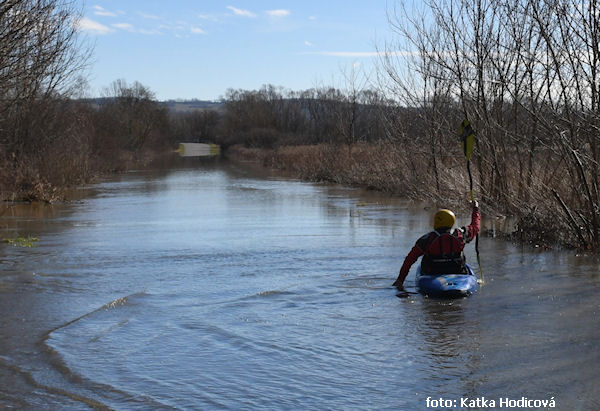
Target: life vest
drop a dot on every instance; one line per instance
(442, 252)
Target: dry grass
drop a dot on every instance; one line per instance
(408, 173)
(49, 176)
(383, 167)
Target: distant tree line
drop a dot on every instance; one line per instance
(272, 117)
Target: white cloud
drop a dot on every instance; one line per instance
(181, 25)
(85, 24)
(100, 11)
(124, 26)
(148, 16)
(207, 17)
(278, 13)
(240, 12)
(308, 43)
(362, 53)
(197, 30)
(347, 53)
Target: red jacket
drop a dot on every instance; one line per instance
(441, 250)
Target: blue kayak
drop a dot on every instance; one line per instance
(447, 285)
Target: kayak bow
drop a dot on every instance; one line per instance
(447, 285)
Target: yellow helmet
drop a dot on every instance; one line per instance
(443, 219)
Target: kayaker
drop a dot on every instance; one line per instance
(442, 248)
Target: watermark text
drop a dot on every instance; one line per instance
(484, 402)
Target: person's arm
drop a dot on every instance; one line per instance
(410, 259)
(472, 229)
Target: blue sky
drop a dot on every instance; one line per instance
(184, 49)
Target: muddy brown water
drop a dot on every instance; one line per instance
(211, 287)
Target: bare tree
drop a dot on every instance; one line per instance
(527, 75)
(42, 58)
(131, 115)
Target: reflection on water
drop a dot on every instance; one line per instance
(212, 287)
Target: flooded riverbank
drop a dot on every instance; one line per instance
(212, 287)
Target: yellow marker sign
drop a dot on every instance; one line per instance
(467, 138)
(198, 150)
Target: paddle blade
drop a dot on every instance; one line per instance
(467, 138)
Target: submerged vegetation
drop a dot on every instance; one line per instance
(27, 242)
(526, 73)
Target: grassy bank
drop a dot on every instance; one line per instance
(383, 167)
(389, 168)
(50, 179)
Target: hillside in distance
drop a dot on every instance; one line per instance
(187, 106)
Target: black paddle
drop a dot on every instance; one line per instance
(467, 137)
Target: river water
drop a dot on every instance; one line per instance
(211, 287)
